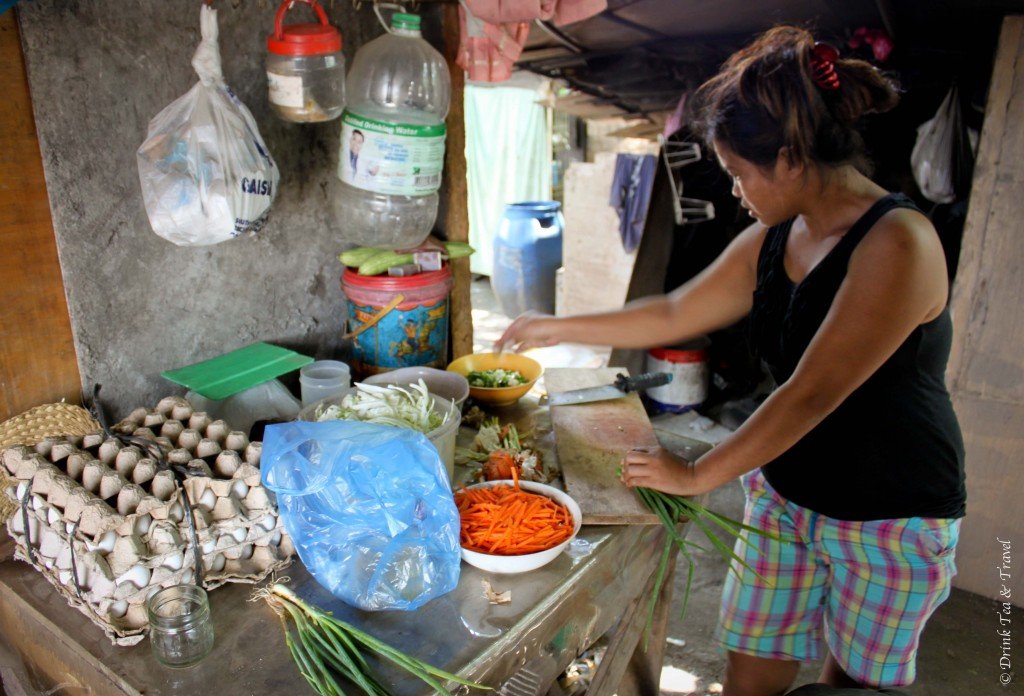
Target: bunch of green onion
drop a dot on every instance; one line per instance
(329, 651)
(673, 509)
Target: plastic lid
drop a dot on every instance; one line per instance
(401, 20)
(303, 39)
(395, 283)
(695, 350)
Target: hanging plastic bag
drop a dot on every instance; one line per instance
(943, 156)
(369, 508)
(205, 171)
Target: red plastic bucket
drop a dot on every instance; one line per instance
(688, 365)
(397, 322)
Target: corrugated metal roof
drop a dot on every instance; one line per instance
(639, 56)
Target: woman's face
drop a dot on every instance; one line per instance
(766, 194)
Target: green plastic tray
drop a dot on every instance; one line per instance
(234, 372)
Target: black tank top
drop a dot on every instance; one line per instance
(893, 448)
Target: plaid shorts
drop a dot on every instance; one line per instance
(866, 587)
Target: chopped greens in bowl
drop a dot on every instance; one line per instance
(496, 379)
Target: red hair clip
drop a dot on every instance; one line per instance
(823, 66)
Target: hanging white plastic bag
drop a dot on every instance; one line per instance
(205, 171)
(940, 150)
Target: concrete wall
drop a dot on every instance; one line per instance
(98, 72)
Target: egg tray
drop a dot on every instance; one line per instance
(105, 514)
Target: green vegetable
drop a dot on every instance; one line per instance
(403, 408)
(329, 651)
(379, 263)
(493, 379)
(671, 509)
(374, 261)
(357, 256)
(458, 250)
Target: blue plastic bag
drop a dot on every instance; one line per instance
(370, 510)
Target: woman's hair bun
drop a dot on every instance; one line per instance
(766, 98)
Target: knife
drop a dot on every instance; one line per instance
(623, 385)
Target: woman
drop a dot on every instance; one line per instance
(857, 456)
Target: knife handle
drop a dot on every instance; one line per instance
(645, 381)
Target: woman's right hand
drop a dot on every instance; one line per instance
(529, 330)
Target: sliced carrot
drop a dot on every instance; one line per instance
(506, 520)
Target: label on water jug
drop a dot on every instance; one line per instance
(390, 158)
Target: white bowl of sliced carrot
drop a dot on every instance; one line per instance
(515, 526)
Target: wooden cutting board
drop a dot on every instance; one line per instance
(591, 440)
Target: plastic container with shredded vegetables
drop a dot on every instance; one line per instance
(405, 407)
(521, 563)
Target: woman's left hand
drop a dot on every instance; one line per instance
(657, 468)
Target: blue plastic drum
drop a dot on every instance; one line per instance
(527, 253)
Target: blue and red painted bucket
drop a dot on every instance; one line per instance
(688, 365)
(397, 321)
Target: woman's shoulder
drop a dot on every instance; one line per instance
(902, 251)
(902, 233)
(749, 243)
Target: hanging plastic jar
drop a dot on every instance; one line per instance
(305, 67)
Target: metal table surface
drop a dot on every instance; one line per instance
(555, 613)
(601, 583)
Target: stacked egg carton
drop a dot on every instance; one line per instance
(132, 535)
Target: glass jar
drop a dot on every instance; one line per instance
(305, 68)
(180, 629)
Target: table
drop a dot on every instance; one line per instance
(600, 585)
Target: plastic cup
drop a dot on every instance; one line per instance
(323, 378)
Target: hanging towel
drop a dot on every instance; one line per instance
(631, 195)
(562, 12)
(487, 52)
(492, 33)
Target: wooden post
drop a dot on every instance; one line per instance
(37, 353)
(651, 262)
(455, 205)
(986, 369)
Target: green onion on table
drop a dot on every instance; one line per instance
(329, 651)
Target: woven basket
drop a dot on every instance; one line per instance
(28, 428)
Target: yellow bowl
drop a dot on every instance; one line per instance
(498, 396)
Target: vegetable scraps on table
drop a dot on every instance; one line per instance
(508, 521)
(496, 379)
(504, 453)
(392, 405)
(330, 652)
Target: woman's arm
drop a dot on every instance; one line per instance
(719, 296)
(896, 281)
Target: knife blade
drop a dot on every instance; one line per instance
(622, 386)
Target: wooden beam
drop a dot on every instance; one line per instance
(986, 368)
(456, 203)
(37, 353)
(651, 263)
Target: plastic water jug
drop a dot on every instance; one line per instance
(392, 139)
(527, 253)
